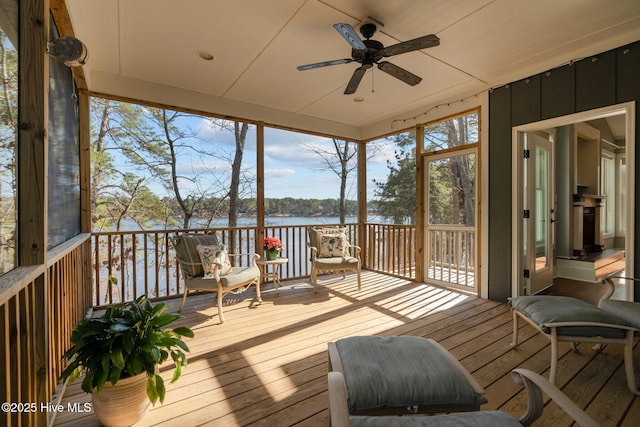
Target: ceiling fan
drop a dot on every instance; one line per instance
(369, 52)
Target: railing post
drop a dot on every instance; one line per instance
(420, 205)
(260, 234)
(362, 203)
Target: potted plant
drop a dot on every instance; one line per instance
(272, 246)
(119, 352)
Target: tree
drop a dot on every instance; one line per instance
(397, 196)
(117, 195)
(159, 147)
(239, 184)
(452, 179)
(8, 129)
(341, 160)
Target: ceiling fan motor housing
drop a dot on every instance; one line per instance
(368, 55)
(368, 29)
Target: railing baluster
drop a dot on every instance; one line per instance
(134, 265)
(391, 249)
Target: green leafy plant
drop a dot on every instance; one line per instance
(125, 341)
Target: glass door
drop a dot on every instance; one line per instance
(451, 242)
(538, 212)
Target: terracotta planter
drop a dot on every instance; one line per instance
(123, 404)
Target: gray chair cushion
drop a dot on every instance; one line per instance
(239, 275)
(545, 309)
(393, 373)
(185, 246)
(465, 419)
(627, 310)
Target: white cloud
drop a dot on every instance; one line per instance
(279, 173)
(204, 166)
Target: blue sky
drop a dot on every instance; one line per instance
(292, 169)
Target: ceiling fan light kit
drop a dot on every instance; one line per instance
(370, 52)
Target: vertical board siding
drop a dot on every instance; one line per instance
(594, 82)
(499, 259)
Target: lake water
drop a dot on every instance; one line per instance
(157, 274)
(270, 221)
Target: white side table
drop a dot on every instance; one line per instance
(274, 274)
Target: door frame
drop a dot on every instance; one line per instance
(628, 109)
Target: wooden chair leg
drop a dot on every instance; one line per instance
(359, 281)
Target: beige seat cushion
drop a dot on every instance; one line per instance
(337, 263)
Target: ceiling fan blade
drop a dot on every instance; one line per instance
(350, 36)
(399, 73)
(324, 64)
(410, 45)
(355, 79)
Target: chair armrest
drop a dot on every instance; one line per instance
(609, 282)
(356, 251)
(314, 253)
(338, 410)
(534, 385)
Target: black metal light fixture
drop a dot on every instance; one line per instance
(69, 50)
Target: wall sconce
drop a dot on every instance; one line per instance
(69, 50)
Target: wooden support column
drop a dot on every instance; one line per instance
(260, 185)
(33, 174)
(85, 163)
(420, 204)
(32, 132)
(362, 202)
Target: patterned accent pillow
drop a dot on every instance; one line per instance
(186, 251)
(212, 256)
(332, 245)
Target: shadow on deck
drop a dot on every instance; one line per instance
(267, 364)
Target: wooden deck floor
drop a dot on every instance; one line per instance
(267, 364)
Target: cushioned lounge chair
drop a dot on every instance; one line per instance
(332, 252)
(218, 274)
(628, 310)
(339, 413)
(402, 375)
(568, 319)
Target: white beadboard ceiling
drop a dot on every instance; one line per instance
(148, 50)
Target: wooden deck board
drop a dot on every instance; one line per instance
(267, 364)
